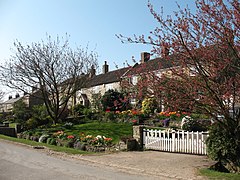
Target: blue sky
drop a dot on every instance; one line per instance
(88, 22)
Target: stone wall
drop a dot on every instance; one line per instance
(138, 136)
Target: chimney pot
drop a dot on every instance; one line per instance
(92, 71)
(145, 56)
(17, 95)
(105, 68)
(165, 49)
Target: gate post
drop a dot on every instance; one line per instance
(138, 135)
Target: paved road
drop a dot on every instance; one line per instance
(24, 163)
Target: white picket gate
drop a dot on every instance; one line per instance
(175, 141)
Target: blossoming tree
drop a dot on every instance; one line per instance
(205, 76)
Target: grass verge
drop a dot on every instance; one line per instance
(219, 175)
(51, 147)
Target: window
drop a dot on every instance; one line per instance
(134, 80)
(192, 71)
(109, 86)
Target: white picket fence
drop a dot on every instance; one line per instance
(175, 141)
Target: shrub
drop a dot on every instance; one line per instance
(193, 125)
(88, 113)
(109, 116)
(149, 105)
(31, 123)
(224, 146)
(21, 112)
(113, 100)
(78, 109)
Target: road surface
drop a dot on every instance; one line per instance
(24, 163)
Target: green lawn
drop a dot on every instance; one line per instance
(107, 129)
(218, 175)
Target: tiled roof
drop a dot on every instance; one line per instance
(153, 65)
(109, 77)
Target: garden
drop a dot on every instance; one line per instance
(92, 136)
(102, 128)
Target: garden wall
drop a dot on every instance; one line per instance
(8, 131)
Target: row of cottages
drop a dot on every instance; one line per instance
(98, 84)
(29, 99)
(142, 79)
(120, 79)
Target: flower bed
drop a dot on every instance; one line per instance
(82, 142)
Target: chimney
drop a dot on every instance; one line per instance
(164, 49)
(105, 67)
(92, 71)
(17, 95)
(10, 97)
(145, 56)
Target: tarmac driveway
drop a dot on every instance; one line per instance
(151, 163)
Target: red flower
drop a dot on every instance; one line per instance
(134, 121)
(108, 139)
(178, 115)
(134, 112)
(70, 137)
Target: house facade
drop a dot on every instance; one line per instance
(29, 99)
(120, 79)
(7, 106)
(97, 85)
(143, 78)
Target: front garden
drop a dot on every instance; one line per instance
(93, 136)
(101, 128)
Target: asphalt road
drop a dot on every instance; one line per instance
(19, 162)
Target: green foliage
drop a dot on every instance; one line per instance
(224, 145)
(113, 100)
(88, 113)
(78, 109)
(109, 116)
(149, 105)
(39, 115)
(199, 116)
(193, 125)
(81, 110)
(31, 123)
(96, 101)
(21, 112)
